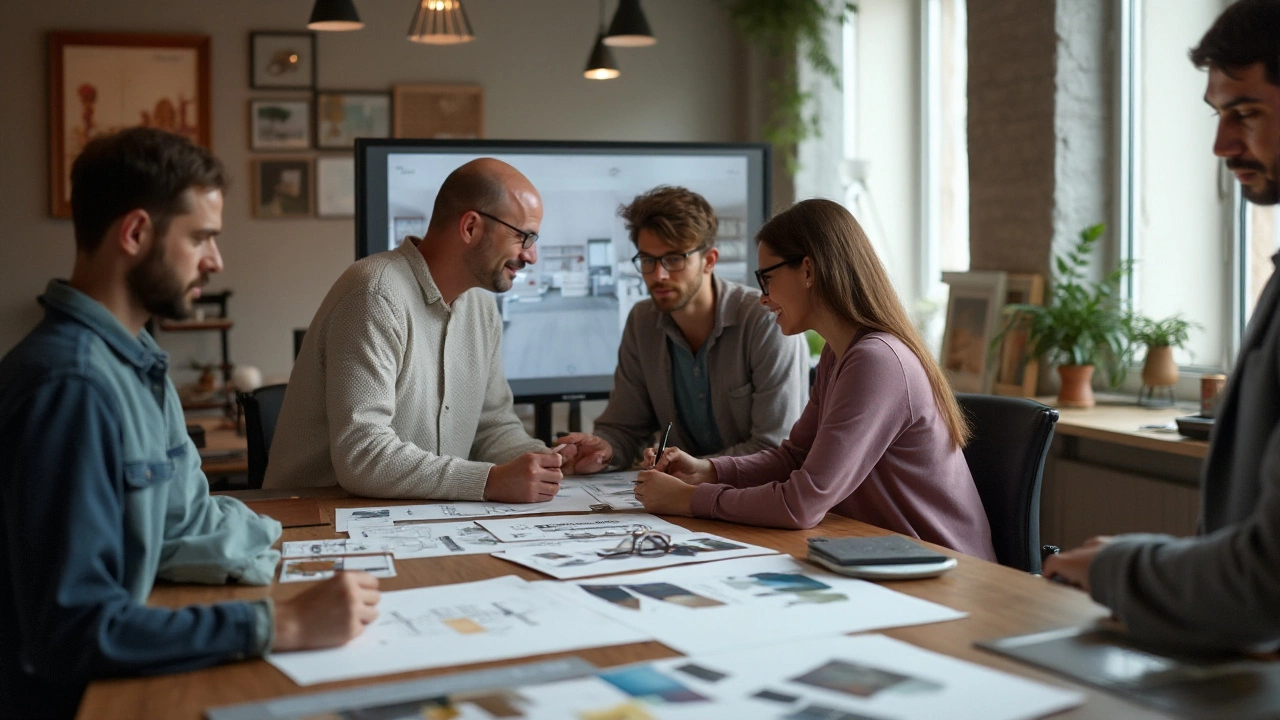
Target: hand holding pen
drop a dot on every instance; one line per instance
(662, 447)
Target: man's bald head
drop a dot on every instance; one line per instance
(484, 184)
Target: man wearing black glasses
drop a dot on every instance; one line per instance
(702, 353)
(398, 390)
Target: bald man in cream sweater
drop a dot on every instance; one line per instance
(398, 391)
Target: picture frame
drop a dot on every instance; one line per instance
(100, 83)
(282, 187)
(335, 186)
(438, 111)
(344, 115)
(282, 60)
(280, 124)
(974, 306)
(1015, 374)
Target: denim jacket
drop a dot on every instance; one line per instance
(101, 493)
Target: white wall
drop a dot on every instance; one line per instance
(888, 134)
(695, 85)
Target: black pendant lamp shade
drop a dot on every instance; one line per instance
(601, 65)
(441, 22)
(334, 15)
(629, 27)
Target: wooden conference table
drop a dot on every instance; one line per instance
(1000, 602)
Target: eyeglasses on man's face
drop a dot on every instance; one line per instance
(527, 239)
(645, 543)
(762, 275)
(671, 262)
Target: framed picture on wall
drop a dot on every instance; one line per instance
(100, 83)
(279, 124)
(438, 112)
(1016, 374)
(341, 117)
(973, 313)
(282, 60)
(336, 187)
(281, 187)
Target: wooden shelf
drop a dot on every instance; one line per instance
(1118, 419)
(195, 325)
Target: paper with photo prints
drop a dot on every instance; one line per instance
(495, 619)
(569, 499)
(583, 558)
(708, 608)
(576, 527)
(869, 677)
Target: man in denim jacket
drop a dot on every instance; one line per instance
(100, 488)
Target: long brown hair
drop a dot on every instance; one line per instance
(850, 281)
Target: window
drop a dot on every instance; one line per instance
(1182, 220)
(946, 149)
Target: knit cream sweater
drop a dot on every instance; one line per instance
(395, 394)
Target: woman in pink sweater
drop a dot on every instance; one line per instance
(882, 436)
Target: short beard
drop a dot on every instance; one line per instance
(683, 299)
(484, 274)
(1270, 192)
(158, 288)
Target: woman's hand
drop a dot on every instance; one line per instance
(664, 494)
(682, 465)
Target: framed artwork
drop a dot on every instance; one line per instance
(281, 187)
(100, 83)
(341, 117)
(279, 124)
(973, 316)
(284, 60)
(336, 187)
(1016, 374)
(438, 111)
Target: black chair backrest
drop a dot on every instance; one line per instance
(1006, 455)
(261, 410)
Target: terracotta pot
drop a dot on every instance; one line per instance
(1077, 389)
(1159, 370)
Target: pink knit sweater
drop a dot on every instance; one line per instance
(870, 445)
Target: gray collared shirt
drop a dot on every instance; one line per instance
(758, 380)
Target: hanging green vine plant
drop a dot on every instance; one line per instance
(785, 29)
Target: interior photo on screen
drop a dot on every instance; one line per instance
(563, 317)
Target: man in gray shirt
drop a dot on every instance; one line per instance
(1220, 590)
(702, 353)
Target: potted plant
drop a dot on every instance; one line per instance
(1084, 324)
(1160, 337)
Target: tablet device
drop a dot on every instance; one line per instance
(885, 550)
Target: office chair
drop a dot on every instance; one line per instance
(1006, 455)
(261, 410)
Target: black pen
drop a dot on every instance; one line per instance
(663, 446)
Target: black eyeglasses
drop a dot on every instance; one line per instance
(762, 275)
(527, 239)
(645, 543)
(671, 262)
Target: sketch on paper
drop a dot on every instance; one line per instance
(566, 560)
(306, 569)
(322, 548)
(577, 527)
(802, 589)
(569, 499)
(615, 489)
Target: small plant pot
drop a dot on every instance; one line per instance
(1159, 370)
(1077, 386)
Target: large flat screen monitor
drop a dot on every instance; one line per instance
(563, 317)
